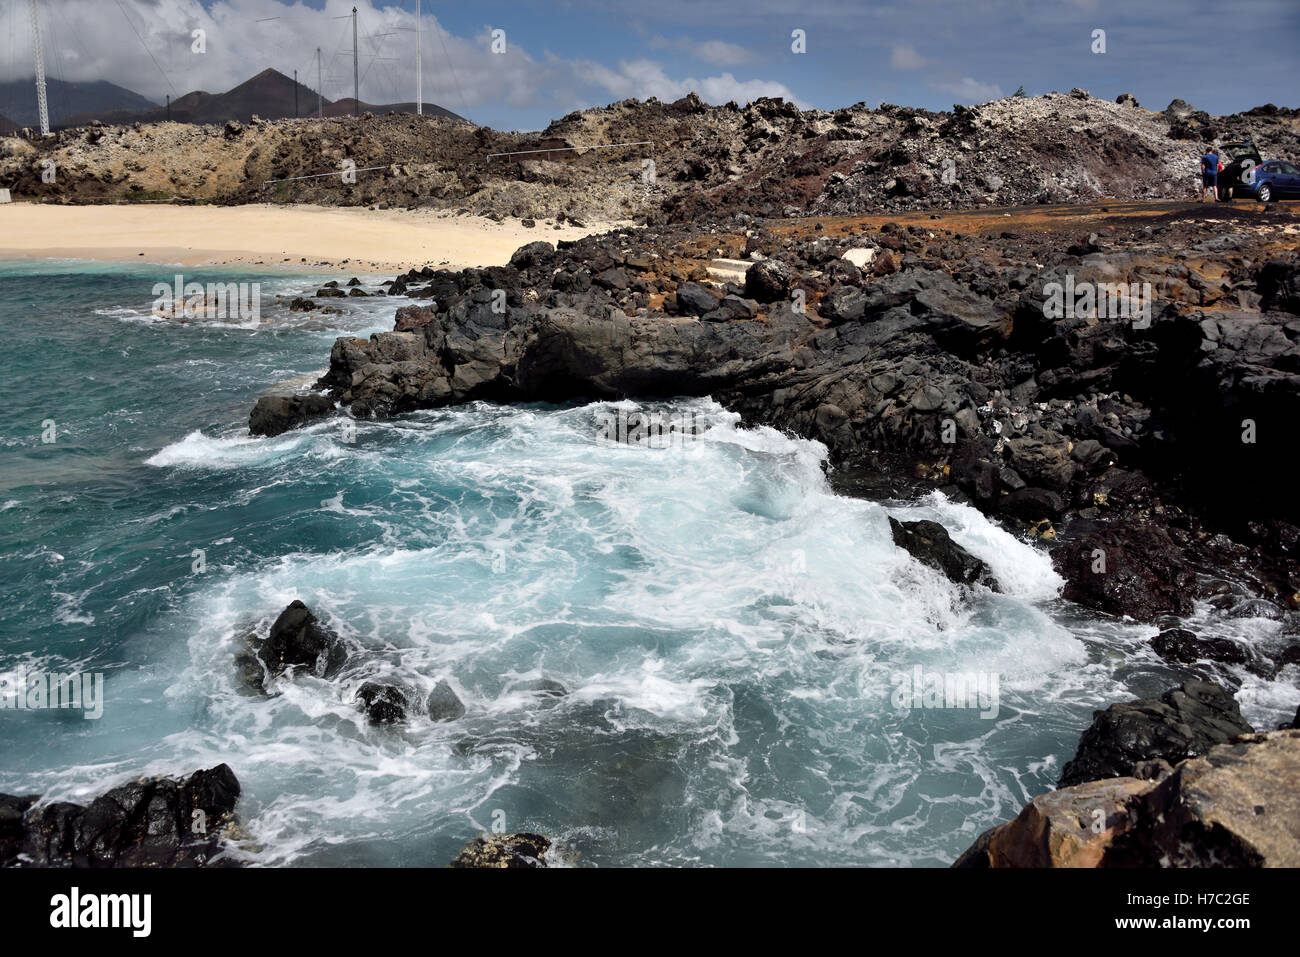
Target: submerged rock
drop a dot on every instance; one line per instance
(1182, 722)
(504, 850)
(383, 702)
(930, 543)
(152, 822)
(250, 672)
(299, 640)
(543, 687)
(442, 703)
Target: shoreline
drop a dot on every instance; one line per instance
(287, 238)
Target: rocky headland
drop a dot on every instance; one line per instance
(1143, 439)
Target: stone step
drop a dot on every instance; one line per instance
(729, 270)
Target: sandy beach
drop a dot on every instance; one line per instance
(308, 237)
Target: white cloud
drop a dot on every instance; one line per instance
(905, 57)
(969, 90)
(717, 52)
(722, 53)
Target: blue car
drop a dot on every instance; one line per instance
(1270, 181)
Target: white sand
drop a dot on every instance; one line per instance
(328, 238)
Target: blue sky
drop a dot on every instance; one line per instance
(561, 56)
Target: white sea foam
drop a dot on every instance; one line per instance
(515, 546)
(197, 450)
(724, 626)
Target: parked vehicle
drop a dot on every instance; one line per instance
(1276, 179)
(1237, 160)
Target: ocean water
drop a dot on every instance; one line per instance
(730, 633)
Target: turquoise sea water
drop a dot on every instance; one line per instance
(728, 630)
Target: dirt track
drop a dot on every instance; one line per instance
(1058, 216)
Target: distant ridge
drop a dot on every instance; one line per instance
(269, 95)
(66, 99)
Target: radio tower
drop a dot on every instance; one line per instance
(41, 103)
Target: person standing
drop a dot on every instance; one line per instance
(1210, 174)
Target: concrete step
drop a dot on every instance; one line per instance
(729, 270)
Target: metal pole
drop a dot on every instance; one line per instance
(320, 97)
(419, 84)
(42, 105)
(356, 81)
(295, 94)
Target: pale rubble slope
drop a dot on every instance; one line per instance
(767, 158)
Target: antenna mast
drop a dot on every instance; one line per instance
(356, 82)
(419, 83)
(41, 104)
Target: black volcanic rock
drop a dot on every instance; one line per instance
(614, 280)
(1183, 646)
(952, 374)
(695, 300)
(1033, 504)
(442, 703)
(152, 822)
(383, 702)
(274, 414)
(410, 318)
(929, 542)
(1181, 723)
(1133, 570)
(504, 850)
(1279, 286)
(768, 281)
(844, 304)
(533, 255)
(299, 640)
